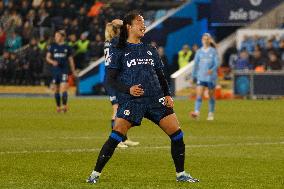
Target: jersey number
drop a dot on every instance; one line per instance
(107, 57)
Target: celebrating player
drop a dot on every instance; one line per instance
(135, 71)
(111, 38)
(205, 74)
(58, 55)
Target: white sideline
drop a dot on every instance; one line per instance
(137, 148)
(136, 137)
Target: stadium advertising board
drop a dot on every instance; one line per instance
(239, 13)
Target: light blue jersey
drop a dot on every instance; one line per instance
(204, 60)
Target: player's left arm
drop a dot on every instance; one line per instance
(71, 62)
(165, 87)
(162, 79)
(72, 65)
(213, 69)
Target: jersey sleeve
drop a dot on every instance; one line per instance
(195, 66)
(50, 49)
(115, 59)
(157, 59)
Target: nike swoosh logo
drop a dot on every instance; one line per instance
(126, 54)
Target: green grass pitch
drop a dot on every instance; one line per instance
(39, 148)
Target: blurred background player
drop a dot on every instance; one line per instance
(59, 55)
(135, 71)
(205, 74)
(112, 31)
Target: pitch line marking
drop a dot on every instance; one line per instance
(137, 148)
(104, 137)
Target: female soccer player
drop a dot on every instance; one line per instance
(58, 55)
(205, 74)
(135, 71)
(111, 39)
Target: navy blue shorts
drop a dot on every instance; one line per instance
(112, 95)
(210, 85)
(59, 78)
(150, 108)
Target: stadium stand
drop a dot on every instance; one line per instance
(26, 29)
(260, 53)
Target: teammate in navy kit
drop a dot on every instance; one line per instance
(111, 39)
(59, 55)
(135, 71)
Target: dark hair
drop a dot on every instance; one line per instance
(128, 18)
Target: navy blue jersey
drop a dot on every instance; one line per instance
(60, 53)
(108, 48)
(109, 45)
(137, 64)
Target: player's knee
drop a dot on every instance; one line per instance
(64, 94)
(64, 89)
(56, 89)
(177, 143)
(177, 136)
(120, 129)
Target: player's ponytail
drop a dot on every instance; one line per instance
(127, 20)
(111, 31)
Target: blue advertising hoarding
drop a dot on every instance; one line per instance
(239, 12)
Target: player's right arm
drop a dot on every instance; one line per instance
(135, 90)
(195, 67)
(113, 73)
(49, 59)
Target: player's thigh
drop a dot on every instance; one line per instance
(55, 87)
(169, 124)
(200, 90)
(122, 125)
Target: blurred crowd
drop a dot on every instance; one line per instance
(257, 53)
(27, 27)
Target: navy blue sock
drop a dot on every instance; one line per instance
(112, 125)
(57, 99)
(64, 98)
(178, 150)
(108, 149)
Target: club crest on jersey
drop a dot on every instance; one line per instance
(126, 112)
(149, 53)
(162, 100)
(139, 61)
